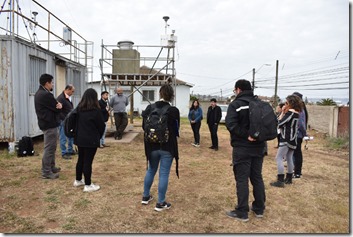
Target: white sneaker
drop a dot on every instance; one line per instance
(197, 145)
(91, 188)
(78, 183)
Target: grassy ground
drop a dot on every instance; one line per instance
(317, 203)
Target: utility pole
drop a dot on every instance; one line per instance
(253, 79)
(275, 102)
(221, 94)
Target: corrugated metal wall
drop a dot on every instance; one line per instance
(17, 112)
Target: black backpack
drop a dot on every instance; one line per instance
(263, 120)
(70, 123)
(25, 147)
(156, 125)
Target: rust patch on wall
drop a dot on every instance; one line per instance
(343, 122)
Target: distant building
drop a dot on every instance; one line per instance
(151, 93)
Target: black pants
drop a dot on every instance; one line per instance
(84, 163)
(247, 164)
(213, 130)
(196, 130)
(120, 123)
(298, 157)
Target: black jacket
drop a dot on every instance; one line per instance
(214, 115)
(67, 106)
(103, 104)
(90, 128)
(289, 129)
(238, 123)
(173, 126)
(45, 106)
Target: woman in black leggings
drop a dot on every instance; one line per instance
(89, 129)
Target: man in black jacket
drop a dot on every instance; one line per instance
(65, 99)
(48, 110)
(103, 103)
(214, 115)
(248, 154)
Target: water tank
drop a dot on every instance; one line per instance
(126, 60)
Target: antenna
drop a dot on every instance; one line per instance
(166, 18)
(35, 24)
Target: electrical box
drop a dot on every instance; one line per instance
(168, 40)
(67, 34)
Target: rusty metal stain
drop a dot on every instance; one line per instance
(6, 110)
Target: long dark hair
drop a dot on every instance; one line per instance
(192, 107)
(89, 100)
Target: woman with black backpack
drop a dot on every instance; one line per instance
(159, 150)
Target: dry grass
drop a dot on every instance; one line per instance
(318, 203)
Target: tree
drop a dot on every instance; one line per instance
(326, 102)
(192, 98)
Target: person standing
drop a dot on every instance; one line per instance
(48, 111)
(90, 128)
(278, 113)
(195, 117)
(103, 103)
(161, 154)
(288, 124)
(119, 103)
(248, 155)
(65, 99)
(214, 115)
(303, 124)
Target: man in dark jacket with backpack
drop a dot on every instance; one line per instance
(247, 154)
(48, 110)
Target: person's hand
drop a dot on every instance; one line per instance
(192, 121)
(251, 139)
(59, 105)
(215, 123)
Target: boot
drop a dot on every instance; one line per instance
(288, 179)
(280, 181)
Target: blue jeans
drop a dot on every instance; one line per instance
(63, 139)
(102, 141)
(165, 159)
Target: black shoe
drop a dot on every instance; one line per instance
(258, 214)
(50, 176)
(279, 184)
(211, 147)
(297, 176)
(216, 148)
(146, 200)
(73, 153)
(56, 170)
(120, 137)
(67, 157)
(162, 206)
(234, 215)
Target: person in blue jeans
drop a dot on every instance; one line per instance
(161, 154)
(65, 99)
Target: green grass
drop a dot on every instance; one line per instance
(338, 143)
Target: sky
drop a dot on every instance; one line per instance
(220, 41)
